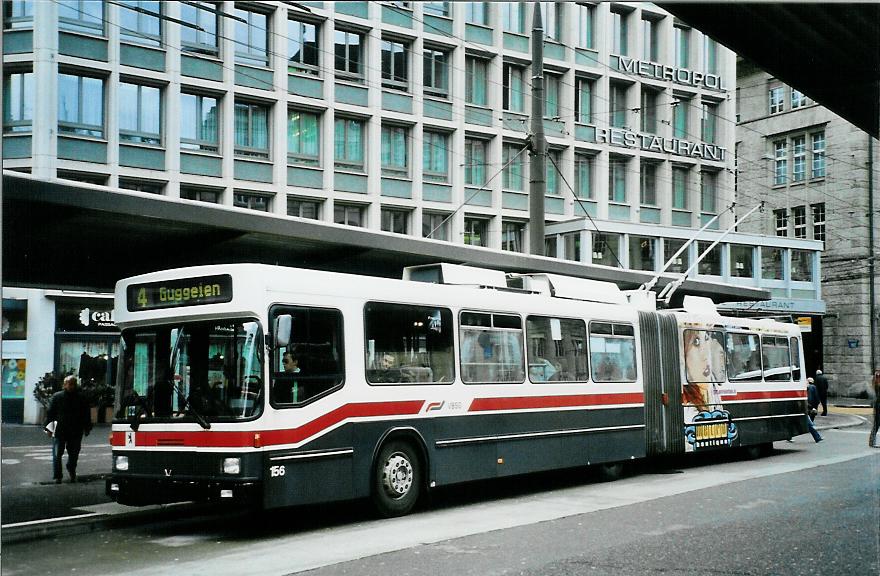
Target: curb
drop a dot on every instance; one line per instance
(852, 421)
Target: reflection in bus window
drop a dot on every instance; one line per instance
(557, 349)
(704, 356)
(612, 352)
(777, 363)
(743, 356)
(312, 363)
(491, 348)
(408, 344)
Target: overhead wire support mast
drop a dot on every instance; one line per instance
(647, 286)
(537, 143)
(665, 295)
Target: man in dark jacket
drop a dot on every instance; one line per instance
(812, 402)
(822, 387)
(70, 410)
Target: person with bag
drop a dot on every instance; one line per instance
(812, 405)
(69, 410)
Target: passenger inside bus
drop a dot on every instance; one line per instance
(387, 370)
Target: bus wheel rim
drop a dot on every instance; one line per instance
(397, 475)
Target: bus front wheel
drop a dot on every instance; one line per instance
(397, 479)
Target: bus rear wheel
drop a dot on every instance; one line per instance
(397, 479)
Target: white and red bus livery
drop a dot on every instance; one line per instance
(280, 386)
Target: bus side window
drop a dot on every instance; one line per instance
(795, 359)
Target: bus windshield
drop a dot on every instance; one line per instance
(194, 371)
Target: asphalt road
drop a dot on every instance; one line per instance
(807, 509)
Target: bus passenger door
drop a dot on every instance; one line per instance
(664, 420)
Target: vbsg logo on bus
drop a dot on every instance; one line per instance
(180, 292)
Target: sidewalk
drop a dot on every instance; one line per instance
(33, 506)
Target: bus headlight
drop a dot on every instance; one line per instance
(231, 465)
(122, 463)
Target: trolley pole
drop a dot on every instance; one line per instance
(537, 142)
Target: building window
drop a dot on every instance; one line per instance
(798, 99)
(394, 220)
(437, 9)
(819, 221)
(801, 266)
(586, 15)
(303, 138)
(583, 175)
(435, 156)
(140, 119)
(551, 95)
(620, 39)
(617, 179)
(251, 37)
(818, 163)
(772, 263)
(435, 225)
(513, 176)
(709, 122)
(203, 39)
(711, 262)
(552, 168)
(512, 234)
(251, 201)
(302, 47)
(19, 14)
(513, 15)
(200, 194)
(251, 129)
(550, 12)
(140, 21)
(710, 55)
(81, 105)
(436, 72)
(641, 253)
(679, 188)
(648, 181)
(18, 102)
(650, 39)
(781, 218)
(80, 16)
(514, 92)
(394, 153)
(605, 249)
(476, 13)
(681, 262)
(474, 162)
(799, 215)
(199, 117)
(303, 208)
(140, 185)
(348, 214)
(798, 158)
(583, 100)
(348, 54)
(780, 155)
(742, 261)
(618, 105)
(395, 65)
(475, 231)
(348, 143)
(709, 192)
(648, 111)
(86, 177)
(682, 46)
(476, 72)
(680, 109)
(776, 95)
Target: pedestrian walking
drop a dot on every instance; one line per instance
(872, 439)
(70, 412)
(812, 402)
(822, 387)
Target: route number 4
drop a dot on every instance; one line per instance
(275, 471)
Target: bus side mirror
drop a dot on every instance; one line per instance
(282, 330)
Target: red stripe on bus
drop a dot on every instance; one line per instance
(767, 395)
(207, 438)
(532, 402)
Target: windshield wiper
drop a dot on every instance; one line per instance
(175, 350)
(139, 403)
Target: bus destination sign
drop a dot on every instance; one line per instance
(180, 292)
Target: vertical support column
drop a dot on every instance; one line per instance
(44, 146)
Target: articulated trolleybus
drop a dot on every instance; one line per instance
(280, 386)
